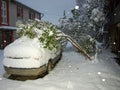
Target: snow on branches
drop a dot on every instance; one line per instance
(46, 33)
(85, 23)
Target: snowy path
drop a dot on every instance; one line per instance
(73, 72)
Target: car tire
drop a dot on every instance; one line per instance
(49, 66)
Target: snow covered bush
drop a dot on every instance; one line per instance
(87, 43)
(85, 23)
(80, 34)
(46, 33)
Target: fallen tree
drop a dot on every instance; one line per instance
(50, 36)
(75, 44)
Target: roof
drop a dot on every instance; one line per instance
(8, 28)
(16, 1)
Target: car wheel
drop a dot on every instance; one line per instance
(49, 66)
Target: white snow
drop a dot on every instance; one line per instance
(97, 15)
(76, 7)
(73, 72)
(8, 27)
(27, 53)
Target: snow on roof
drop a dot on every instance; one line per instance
(8, 27)
(20, 2)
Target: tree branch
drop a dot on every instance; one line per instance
(76, 45)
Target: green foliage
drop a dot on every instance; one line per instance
(27, 30)
(87, 43)
(48, 37)
(46, 33)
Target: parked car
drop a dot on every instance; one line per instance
(36, 51)
(27, 58)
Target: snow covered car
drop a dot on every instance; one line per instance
(26, 57)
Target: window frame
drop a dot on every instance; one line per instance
(31, 15)
(4, 12)
(19, 11)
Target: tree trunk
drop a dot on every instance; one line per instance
(75, 44)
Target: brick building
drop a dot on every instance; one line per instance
(12, 12)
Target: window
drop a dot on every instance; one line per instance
(19, 11)
(31, 15)
(4, 12)
(39, 16)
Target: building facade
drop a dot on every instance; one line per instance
(13, 12)
(113, 24)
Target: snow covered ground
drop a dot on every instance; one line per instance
(73, 72)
